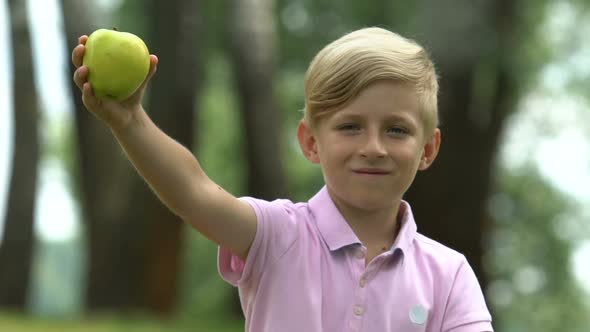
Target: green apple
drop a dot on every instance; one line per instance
(118, 62)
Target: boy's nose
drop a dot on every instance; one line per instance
(373, 147)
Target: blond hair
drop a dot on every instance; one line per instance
(342, 69)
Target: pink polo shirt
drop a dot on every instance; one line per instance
(306, 272)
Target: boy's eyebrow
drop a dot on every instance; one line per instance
(403, 117)
(343, 116)
(359, 115)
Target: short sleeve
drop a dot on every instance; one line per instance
(466, 310)
(275, 233)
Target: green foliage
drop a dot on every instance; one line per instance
(305, 26)
(203, 293)
(214, 33)
(219, 128)
(303, 177)
(532, 288)
(131, 17)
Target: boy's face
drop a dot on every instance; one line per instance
(371, 149)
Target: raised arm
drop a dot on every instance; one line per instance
(170, 169)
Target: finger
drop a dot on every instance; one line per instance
(153, 67)
(78, 55)
(82, 39)
(151, 72)
(88, 98)
(81, 76)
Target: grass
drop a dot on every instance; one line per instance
(14, 323)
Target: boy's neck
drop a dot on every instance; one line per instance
(375, 229)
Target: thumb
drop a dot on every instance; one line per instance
(136, 97)
(151, 72)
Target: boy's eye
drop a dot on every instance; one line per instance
(349, 127)
(397, 131)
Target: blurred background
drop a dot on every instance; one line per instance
(85, 245)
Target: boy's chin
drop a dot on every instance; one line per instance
(373, 205)
(373, 201)
(366, 198)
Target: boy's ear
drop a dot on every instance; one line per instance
(431, 147)
(307, 142)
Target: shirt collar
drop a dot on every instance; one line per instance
(408, 229)
(332, 226)
(337, 233)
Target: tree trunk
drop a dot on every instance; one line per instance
(175, 39)
(253, 51)
(105, 178)
(478, 91)
(18, 240)
(134, 241)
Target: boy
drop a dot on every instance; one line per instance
(350, 259)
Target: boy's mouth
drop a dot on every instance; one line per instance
(371, 171)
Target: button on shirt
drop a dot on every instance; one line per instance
(306, 271)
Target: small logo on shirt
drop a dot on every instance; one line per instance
(418, 314)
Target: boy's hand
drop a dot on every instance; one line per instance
(117, 115)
